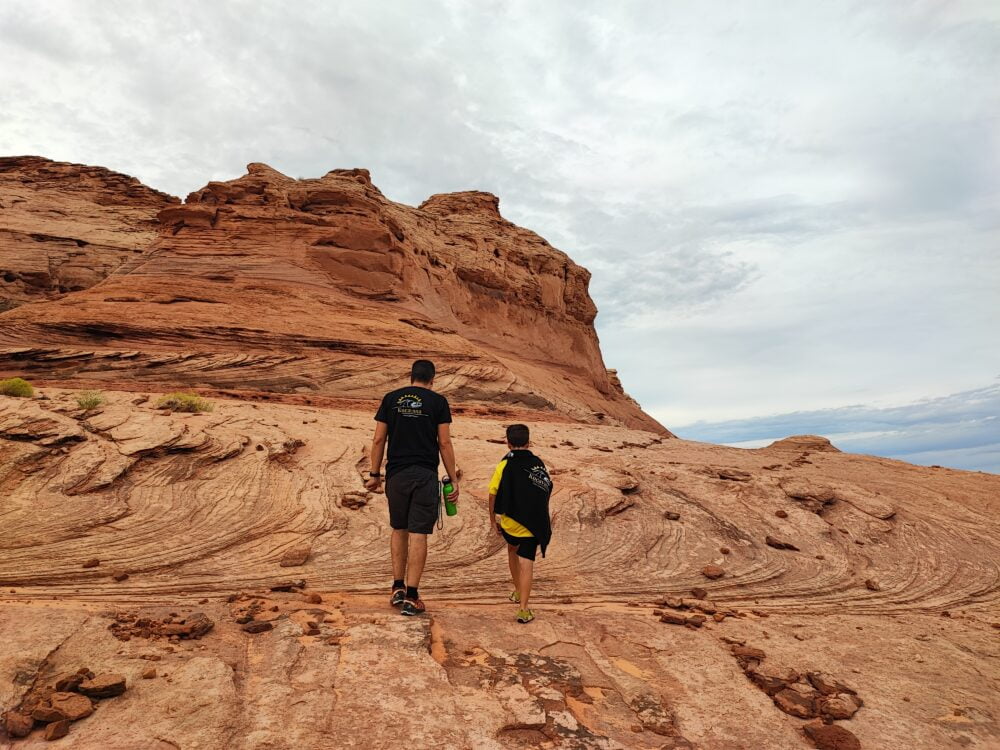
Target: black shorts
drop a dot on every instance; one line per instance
(527, 546)
(413, 499)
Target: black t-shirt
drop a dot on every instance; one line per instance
(412, 415)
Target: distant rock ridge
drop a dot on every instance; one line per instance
(65, 227)
(317, 286)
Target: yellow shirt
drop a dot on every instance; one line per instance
(509, 525)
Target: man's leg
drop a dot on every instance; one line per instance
(415, 559)
(525, 570)
(399, 547)
(512, 563)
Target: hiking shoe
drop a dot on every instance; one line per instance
(397, 597)
(514, 597)
(524, 616)
(413, 607)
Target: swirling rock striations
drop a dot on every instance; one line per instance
(325, 287)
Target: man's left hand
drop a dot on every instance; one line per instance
(374, 484)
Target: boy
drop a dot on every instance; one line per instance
(519, 505)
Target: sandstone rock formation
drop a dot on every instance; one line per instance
(254, 565)
(65, 227)
(324, 287)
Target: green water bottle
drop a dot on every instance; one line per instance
(448, 489)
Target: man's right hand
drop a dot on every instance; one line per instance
(454, 491)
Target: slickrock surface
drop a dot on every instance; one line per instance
(65, 227)
(197, 514)
(230, 573)
(324, 287)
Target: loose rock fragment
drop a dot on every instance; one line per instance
(314, 598)
(713, 572)
(104, 685)
(17, 724)
(149, 673)
(91, 563)
(770, 541)
(72, 705)
(830, 736)
(781, 513)
(295, 556)
(672, 516)
(57, 730)
(258, 627)
(839, 706)
(796, 702)
(872, 585)
(699, 593)
(119, 575)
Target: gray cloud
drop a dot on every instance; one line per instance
(784, 206)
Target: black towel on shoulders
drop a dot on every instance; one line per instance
(524, 493)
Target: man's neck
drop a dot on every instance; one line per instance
(418, 384)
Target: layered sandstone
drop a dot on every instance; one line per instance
(324, 287)
(65, 227)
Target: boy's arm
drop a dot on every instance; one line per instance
(492, 517)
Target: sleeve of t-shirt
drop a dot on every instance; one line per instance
(382, 415)
(497, 475)
(444, 412)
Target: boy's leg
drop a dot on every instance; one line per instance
(512, 559)
(526, 568)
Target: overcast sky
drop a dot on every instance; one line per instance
(788, 208)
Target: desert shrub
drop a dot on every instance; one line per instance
(89, 399)
(188, 402)
(16, 387)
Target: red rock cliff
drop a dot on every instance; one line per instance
(323, 286)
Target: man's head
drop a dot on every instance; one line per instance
(422, 372)
(517, 436)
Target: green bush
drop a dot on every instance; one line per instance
(88, 400)
(188, 402)
(16, 387)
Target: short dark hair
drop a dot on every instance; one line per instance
(422, 371)
(517, 435)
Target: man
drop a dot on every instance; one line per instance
(416, 421)
(519, 504)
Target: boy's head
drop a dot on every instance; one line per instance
(517, 436)
(422, 372)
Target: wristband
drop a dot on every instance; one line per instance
(374, 474)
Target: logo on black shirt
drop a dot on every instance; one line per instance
(409, 405)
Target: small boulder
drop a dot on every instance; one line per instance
(696, 620)
(830, 736)
(796, 703)
(57, 730)
(149, 673)
(781, 513)
(842, 706)
(69, 681)
(724, 550)
(258, 627)
(827, 685)
(46, 713)
(73, 705)
(314, 598)
(91, 563)
(671, 516)
(872, 585)
(773, 679)
(295, 556)
(713, 572)
(17, 724)
(672, 618)
(119, 575)
(104, 685)
(699, 593)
